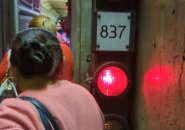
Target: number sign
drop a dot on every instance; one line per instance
(113, 31)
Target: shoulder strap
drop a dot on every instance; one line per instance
(46, 117)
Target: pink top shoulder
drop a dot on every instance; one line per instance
(72, 106)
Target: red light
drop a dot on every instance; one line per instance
(112, 81)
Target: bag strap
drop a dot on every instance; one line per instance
(46, 117)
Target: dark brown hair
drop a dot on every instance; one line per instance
(35, 52)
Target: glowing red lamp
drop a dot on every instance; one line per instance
(111, 79)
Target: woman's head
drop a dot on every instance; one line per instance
(60, 24)
(35, 52)
(43, 22)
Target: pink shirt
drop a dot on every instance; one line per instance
(72, 106)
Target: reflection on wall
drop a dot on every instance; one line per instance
(160, 82)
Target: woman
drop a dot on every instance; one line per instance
(35, 56)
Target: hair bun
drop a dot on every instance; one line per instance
(35, 52)
(35, 55)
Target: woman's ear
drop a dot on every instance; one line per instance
(14, 73)
(16, 79)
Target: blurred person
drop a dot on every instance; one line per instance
(4, 66)
(35, 56)
(7, 86)
(64, 72)
(60, 24)
(62, 31)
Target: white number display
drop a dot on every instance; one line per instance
(113, 31)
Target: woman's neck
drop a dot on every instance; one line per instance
(33, 83)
